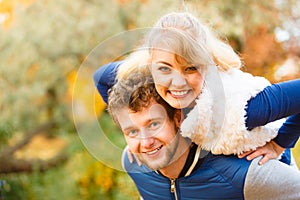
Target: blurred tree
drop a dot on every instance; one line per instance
(6, 11)
(44, 44)
(289, 29)
(250, 28)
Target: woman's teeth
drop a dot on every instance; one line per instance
(179, 93)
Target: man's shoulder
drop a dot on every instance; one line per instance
(230, 168)
(273, 180)
(224, 161)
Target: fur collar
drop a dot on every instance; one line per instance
(217, 122)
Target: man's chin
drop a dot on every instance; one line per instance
(155, 164)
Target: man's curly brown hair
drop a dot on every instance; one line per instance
(135, 92)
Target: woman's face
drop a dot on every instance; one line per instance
(177, 82)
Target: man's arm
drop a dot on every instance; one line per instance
(272, 181)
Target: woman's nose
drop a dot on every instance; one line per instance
(178, 79)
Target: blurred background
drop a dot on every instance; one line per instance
(42, 46)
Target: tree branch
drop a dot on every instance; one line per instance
(10, 164)
(28, 136)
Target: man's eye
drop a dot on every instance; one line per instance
(154, 125)
(132, 133)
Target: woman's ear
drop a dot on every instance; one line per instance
(178, 118)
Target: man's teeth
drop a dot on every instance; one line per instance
(154, 151)
(179, 93)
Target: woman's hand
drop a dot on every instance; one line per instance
(131, 158)
(270, 150)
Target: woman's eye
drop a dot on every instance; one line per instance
(164, 69)
(191, 69)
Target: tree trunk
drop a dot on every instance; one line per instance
(9, 163)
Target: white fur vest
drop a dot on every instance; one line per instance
(217, 122)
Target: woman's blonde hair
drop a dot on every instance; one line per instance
(138, 59)
(187, 36)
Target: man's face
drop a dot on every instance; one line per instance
(150, 135)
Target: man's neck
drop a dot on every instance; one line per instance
(173, 169)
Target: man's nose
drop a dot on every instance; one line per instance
(147, 143)
(147, 140)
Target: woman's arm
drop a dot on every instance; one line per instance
(104, 78)
(289, 132)
(275, 102)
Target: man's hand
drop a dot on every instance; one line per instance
(270, 150)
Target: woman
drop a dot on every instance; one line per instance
(184, 54)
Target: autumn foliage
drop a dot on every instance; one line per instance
(7, 9)
(43, 46)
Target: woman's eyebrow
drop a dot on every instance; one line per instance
(163, 62)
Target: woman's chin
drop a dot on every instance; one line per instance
(179, 104)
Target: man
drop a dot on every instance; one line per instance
(175, 168)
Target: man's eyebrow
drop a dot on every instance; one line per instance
(147, 122)
(128, 128)
(156, 119)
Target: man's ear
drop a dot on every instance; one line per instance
(178, 118)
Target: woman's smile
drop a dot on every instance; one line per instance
(179, 84)
(179, 93)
